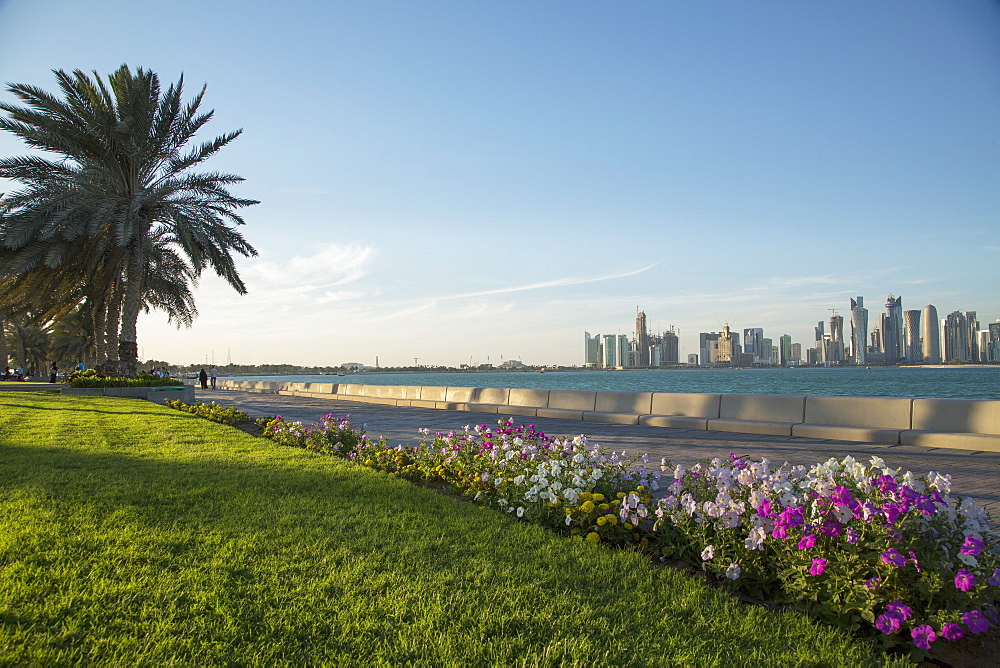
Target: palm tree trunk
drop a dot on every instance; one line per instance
(3, 347)
(128, 346)
(100, 329)
(114, 321)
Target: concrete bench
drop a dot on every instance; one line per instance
(568, 404)
(772, 414)
(681, 410)
(954, 423)
(429, 397)
(525, 402)
(488, 400)
(619, 407)
(868, 419)
(457, 398)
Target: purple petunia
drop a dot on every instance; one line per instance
(995, 578)
(818, 566)
(852, 535)
(952, 631)
(893, 557)
(964, 580)
(972, 546)
(807, 541)
(889, 622)
(923, 636)
(976, 622)
(900, 607)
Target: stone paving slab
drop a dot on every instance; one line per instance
(975, 474)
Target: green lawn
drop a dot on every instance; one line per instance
(134, 534)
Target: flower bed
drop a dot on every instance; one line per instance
(92, 378)
(878, 551)
(222, 414)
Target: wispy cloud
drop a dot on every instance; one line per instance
(556, 283)
(330, 266)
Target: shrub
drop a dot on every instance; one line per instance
(93, 378)
(222, 414)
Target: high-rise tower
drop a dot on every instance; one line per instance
(931, 334)
(859, 330)
(911, 326)
(641, 340)
(892, 329)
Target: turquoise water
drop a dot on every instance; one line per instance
(953, 382)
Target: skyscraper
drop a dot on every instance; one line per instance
(753, 340)
(641, 340)
(911, 331)
(957, 345)
(670, 347)
(592, 349)
(786, 349)
(835, 348)
(708, 347)
(892, 329)
(859, 330)
(930, 346)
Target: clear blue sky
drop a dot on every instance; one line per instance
(461, 180)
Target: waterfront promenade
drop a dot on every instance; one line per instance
(975, 474)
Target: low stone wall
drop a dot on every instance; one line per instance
(939, 423)
(157, 395)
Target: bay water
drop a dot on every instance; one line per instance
(959, 382)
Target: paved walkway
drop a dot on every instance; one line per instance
(976, 474)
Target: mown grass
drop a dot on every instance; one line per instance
(134, 534)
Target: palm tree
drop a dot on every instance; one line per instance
(122, 178)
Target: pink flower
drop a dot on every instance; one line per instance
(818, 566)
(807, 541)
(964, 580)
(972, 546)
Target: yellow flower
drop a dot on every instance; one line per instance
(602, 520)
(603, 506)
(620, 495)
(598, 497)
(611, 519)
(587, 507)
(585, 496)
(628, 525)
(593, 537)
(640, 488)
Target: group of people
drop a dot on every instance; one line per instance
(203, 378)
(15, 374)
(159, 372)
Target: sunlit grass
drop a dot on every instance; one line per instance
(131, 533)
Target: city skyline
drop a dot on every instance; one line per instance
(915, 336)
(458, 182)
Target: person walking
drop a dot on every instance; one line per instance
(203, 379)
(215, 376)
(53, 372)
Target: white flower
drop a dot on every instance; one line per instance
(968, 559)
(569, 520)
(708, 553)
(520, 511)
(733, 572)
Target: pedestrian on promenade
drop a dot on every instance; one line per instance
(215, 376)
(53, 372)
(203, 379)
